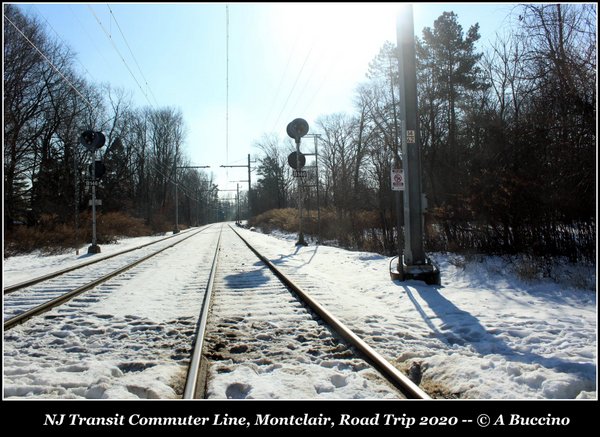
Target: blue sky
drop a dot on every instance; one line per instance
(286, 60)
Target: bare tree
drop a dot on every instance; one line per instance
(275, 182)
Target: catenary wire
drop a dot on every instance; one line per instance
(51, 63)
(132, 55)
(38, 12)
(120, 55)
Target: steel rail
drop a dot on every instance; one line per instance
(29, 282)
(13, 321)
(401, 381)
(191, 385)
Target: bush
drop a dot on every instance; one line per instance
(50, 236)
(23, 239)
(285, 219)
(112, 225)
(357, 230)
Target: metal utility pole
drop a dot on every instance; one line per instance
(249, 188)
(239, 210)
(238, 204)
(317, 183)
(316, 138)
(76, 173)
(414, 264)
(94, 248)
(176, 230)
(249, 182)
(300, 231)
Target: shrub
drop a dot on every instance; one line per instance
(51, 236)
(353, 230)
(116, 224)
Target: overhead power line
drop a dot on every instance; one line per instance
(293, 87)
(120, 55)
(132, 55)
(51, 63)
(323, 80)
(87, 34)
(63, 41)
(283, 76)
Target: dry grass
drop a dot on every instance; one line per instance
(50, 236)
(352, 230)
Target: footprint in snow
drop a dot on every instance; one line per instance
(238, 391)
(338, 381)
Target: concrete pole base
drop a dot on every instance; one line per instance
(301, 241)
(94, 248)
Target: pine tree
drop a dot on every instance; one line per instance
(448, 73)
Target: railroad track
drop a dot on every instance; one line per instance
(32, 281)
(252, 319)
(38, 295)
(247, 339)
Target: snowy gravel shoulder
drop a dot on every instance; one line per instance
(485, 334)
(127, 339)
(16, 269)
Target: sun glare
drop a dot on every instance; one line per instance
(337, 23)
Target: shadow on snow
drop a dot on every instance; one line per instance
(462, 328)
(249, 278)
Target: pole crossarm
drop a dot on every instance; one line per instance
(248, 166)
(176, 230)
(194, 166)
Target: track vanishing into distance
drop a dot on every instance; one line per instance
(251, 317)
(37, 295)
(27, 283)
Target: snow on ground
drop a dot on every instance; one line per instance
(264, 344)
(484, 334)
(123, 340)
(19, 268)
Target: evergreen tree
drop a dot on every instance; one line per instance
(448, 74)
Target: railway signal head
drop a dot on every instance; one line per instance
(296, 160)
(92, 140)
(97, 169)
(297, 129)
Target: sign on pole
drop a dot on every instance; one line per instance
(397, 179)
(300, 173)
